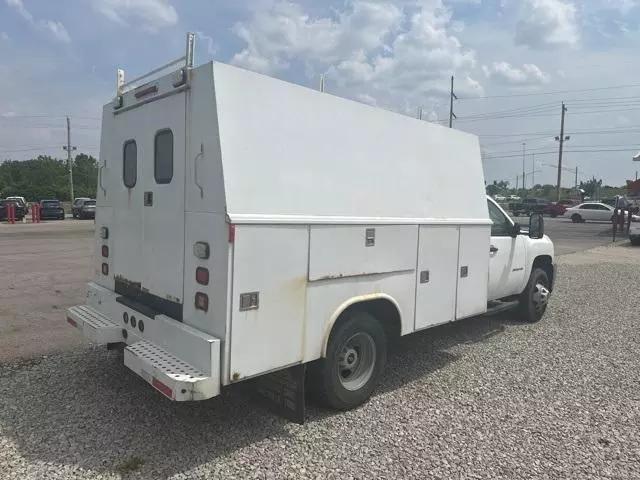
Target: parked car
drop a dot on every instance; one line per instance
(554, 209)
(568, 202)
(51, 209)
(634, 230)
(528, 206)
(499, 198)
(20, 210)
(83, 208)
(77, 203)
(21, 200)
(591, 211)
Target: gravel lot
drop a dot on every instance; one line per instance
(485, 398)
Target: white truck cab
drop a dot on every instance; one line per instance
(246, 226)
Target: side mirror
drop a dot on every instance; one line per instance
(515, 230)
(536, 226)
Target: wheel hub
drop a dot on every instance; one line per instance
(356, 361)
(540, 296)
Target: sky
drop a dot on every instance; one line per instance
(514, 62)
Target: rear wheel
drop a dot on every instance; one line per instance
(356, 355)
(635, 240)
(576, 218)
(534, 298)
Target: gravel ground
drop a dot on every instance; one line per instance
(487, 398)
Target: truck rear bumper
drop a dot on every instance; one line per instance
(177, 360)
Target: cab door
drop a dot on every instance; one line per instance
(506, 256)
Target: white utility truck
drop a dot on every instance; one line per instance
(245, 225)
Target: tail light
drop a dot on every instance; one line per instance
(202, 301)
(105, 251)
(201, 250)
(105, 269)
(232, 233)
(104, 232)
(202, 276)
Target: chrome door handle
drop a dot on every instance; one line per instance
(195, 169)
(104, 190)
(493, 249)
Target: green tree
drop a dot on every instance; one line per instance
(48, 177)
(590, 187)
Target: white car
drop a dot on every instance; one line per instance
(500, 198)
(592, 211)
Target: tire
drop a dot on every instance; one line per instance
(353, 366)
(534, 298)
(554, 215)
(635, 241)
(576, 218)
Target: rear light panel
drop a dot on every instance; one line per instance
(105, 251)
(105, 269)
(202, 276)
(202, 301)
(104, 233)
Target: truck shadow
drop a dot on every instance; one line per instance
(86, 409)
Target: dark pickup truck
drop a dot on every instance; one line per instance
(536, 205)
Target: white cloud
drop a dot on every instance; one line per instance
(150, 14)
(56, 29)
(505, 73)
(52, 27)
(547, 23)
(398, 54)
(4, 36)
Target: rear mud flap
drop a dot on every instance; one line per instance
(283, 392)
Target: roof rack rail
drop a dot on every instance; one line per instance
(187, 58)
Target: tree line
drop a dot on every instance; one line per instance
(47, 177)
(592, 188)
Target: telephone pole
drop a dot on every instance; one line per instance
(69, 149)
(561, 140)
(533, 170)
(576, 178)
(523, 176)
(452, 96)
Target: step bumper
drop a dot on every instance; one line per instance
(179, 361)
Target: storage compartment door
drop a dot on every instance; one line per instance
(473, 270)
(436, 275)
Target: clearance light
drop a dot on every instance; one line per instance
(72, 322)
(202, 276)
(201, 250)
(105, 251)
(162, 388)
(232, 233)
(104, 232)
(105, 269)
(202, 301)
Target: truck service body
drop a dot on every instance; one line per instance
(245, 225)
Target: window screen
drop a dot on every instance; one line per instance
(163, 157)
(130, 163)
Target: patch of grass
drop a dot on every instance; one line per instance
(129, 465)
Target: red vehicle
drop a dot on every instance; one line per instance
(554, 209)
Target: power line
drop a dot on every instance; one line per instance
(556, 92)
(555, 152)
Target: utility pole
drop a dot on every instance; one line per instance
(576, 178)
(69, 149)
(419, 117)
(523, 175)
(322, 82)
(452, 96)
(517, 178)
(561, 140)
(533, 170)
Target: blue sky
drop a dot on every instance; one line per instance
(59, 57)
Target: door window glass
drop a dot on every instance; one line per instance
(501, 225)
(130, 163)
(163, 156)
